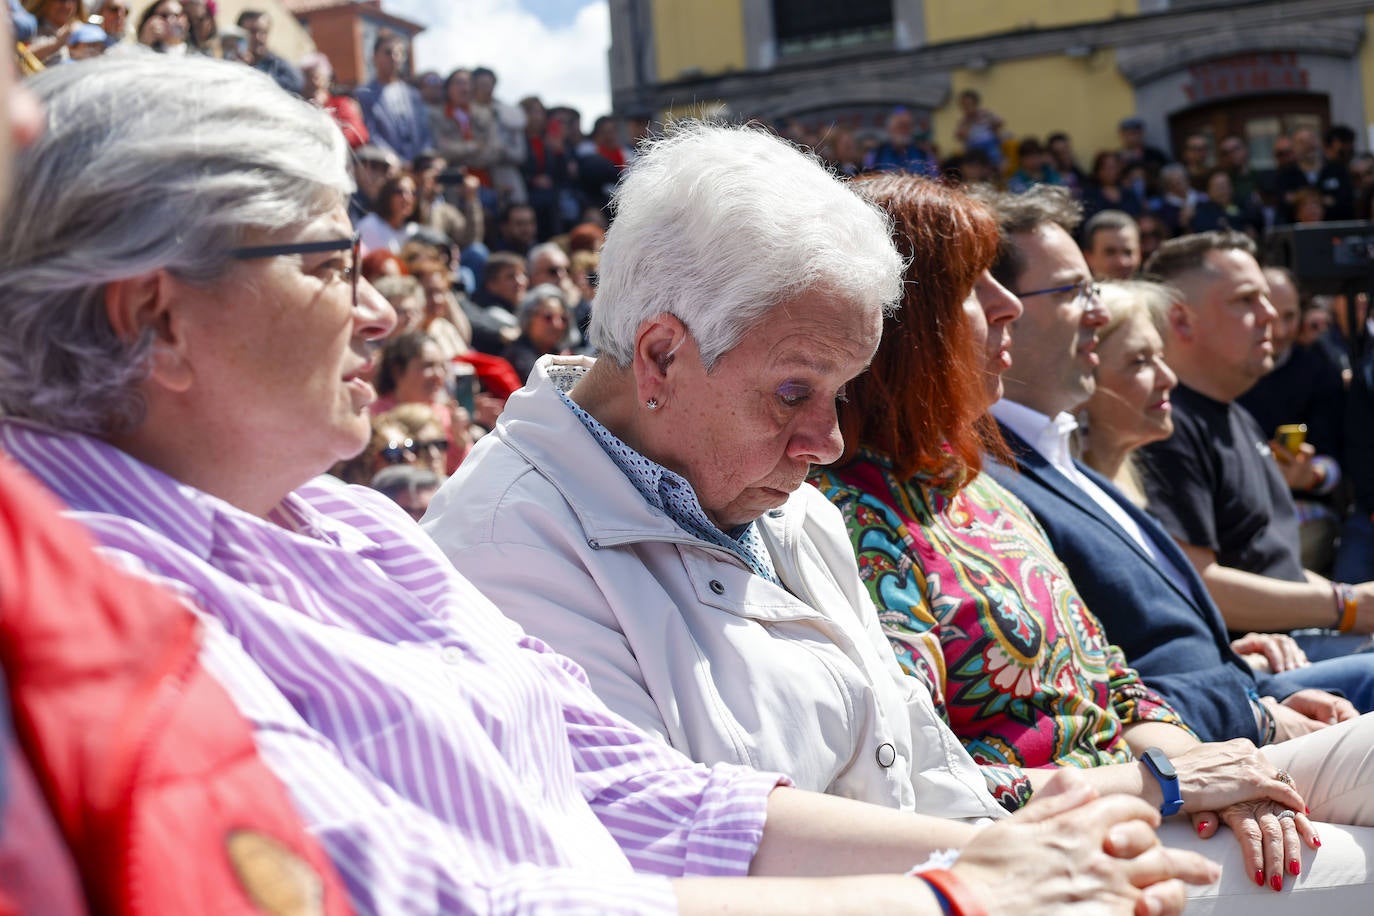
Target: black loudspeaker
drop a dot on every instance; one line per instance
(1325, 257)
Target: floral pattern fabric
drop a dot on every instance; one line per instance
(977, 605)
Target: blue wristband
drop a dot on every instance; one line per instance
(1162, 770)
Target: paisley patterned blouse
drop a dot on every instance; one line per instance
(977, 605)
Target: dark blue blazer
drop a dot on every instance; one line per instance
(1175, 637)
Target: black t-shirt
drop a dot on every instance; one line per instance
(1215, 484)
(1305, 388)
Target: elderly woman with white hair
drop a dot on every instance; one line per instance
(712, 598)
(185, 348)
(543, 318)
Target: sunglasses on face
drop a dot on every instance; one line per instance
(273, 251)
(398, 450)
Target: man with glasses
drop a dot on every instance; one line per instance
(1126, 567)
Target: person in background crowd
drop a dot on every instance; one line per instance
(1111, 245)
(547, 168)
(55, 20)
(1304, 387)
(387, 226)
(1216, 208)
(979, 128)
(431, 86)
(393, 111)
(445, 319)
(1062, 158)
(408, 486)
(87, 41)
(1197, 161)
(415, 436)
(407, 298)
(164, 27)
(1177, 200)
(518, 230)
(902, 149)
(461, 223)
(1325, 174)
(1152, 233)
(1135, 151)
(841, 153)
(450, 124)
(414, 371)
(258, 25)
(544, 321)
(202, 32)
(500, 130)
(1034, 167)
(114, 21)
(372, 168)
(1233, 155)
(504, 283)
(1106, 188)
(317, 75)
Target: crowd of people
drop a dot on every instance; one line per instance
(885, 534)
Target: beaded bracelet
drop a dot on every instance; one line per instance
(954, 895)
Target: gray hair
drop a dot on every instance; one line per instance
(524, 312)
(719, 225)
(404, 478)
(398, 289)
(542, 249)
(147, 163)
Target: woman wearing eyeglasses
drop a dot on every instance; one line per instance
(164, 27)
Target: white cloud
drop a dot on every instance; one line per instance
(565, 64)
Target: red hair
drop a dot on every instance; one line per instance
(922, 401)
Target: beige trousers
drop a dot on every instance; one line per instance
(1334, 770)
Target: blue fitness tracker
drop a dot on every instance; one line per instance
(1163, 771)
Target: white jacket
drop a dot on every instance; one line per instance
(679, 636)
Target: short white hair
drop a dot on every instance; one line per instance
(718, 225)
(147, 162)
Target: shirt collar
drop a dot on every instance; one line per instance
(1049, 436)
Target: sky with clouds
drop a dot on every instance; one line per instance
(555, 49)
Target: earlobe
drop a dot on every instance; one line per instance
(141, 306)
(1180, 321)
(656, 345)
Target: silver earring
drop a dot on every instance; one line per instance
(651, 404)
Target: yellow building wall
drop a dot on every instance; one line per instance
(698, 37)
(955, 20)
(1083, 97)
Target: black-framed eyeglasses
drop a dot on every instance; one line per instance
(273, 251)
(1085, 291)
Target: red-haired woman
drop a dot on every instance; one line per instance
(966, 583)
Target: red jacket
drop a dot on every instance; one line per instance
(150, 771)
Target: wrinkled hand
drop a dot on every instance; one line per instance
(1320, 706)
(1297, 468)
(1270, 845)
(1279, 651)
(1219, 774)
(1069, 851)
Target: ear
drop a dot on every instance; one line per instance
(1180, 321)
(657, 343)
(139, 305)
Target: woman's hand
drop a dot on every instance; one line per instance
(1279, 651)
(1219, 774)
(1320, 707)
(1271, 844)
(1069, 850)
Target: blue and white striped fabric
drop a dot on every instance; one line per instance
(447, 761)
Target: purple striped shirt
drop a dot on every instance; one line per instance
(447, 761)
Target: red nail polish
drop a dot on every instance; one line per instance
(1201, 826)
(1293, 868)
(1316, 841)
(1259, 877)
(1306, 810)
(1276, 883)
